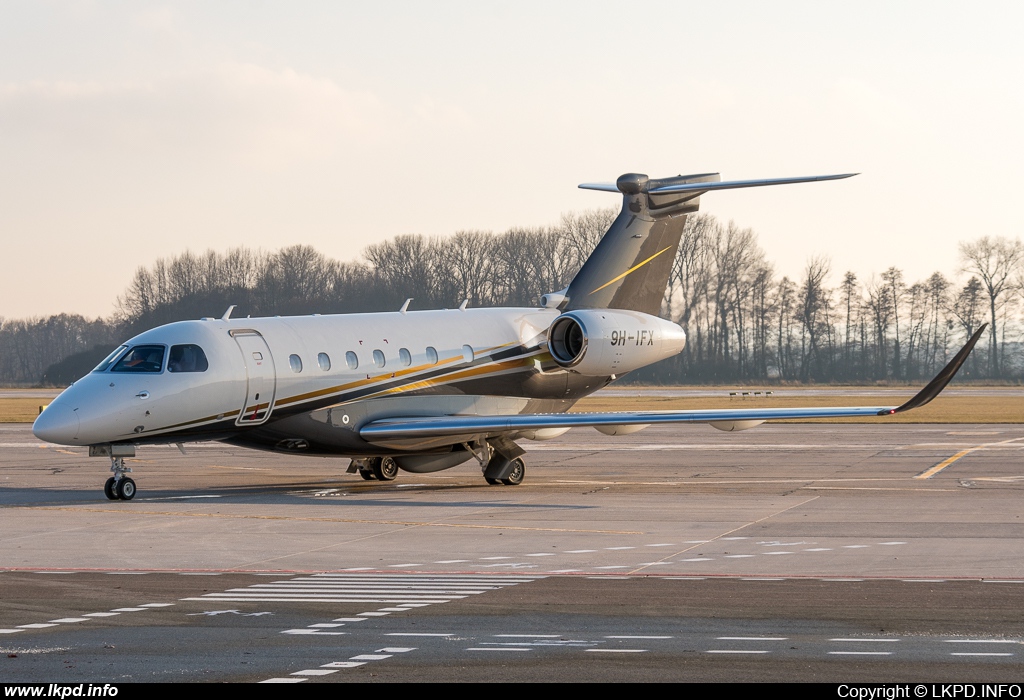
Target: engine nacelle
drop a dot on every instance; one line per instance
(603, 342)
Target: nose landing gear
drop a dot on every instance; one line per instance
(119, 486)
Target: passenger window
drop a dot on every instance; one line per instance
(295, 362)
(141, 358)
(324, 361)
(351, 360)
(378, 358)
(187, 358)
(431, 355)
(467, 353)
(405, 356)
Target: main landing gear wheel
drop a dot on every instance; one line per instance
(385, 469)
(108, 489)
(125, 489)
(367, 475)
(515, 477)
(492, 482)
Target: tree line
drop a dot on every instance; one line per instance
(744, 322)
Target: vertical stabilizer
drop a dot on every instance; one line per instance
(629, 268)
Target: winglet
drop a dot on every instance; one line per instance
(932, 389)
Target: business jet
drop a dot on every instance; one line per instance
(421, 391)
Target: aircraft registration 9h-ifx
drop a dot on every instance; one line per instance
(421, 391)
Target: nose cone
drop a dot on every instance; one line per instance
(58, 423)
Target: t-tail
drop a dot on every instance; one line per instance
(630, 267)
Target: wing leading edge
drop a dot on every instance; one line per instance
(392, 430)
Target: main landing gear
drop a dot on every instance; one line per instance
(515, 474)
(119, 486)
(379, 468)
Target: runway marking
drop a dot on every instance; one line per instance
(371, 657)
(929, 473)
(420, 634)
(315, 672)
(68, 620)
(10, 631)
(978, 653)
(736, 651)
(754, 639)
(636, 636)
(861, 653)
(863, 639)
(982, 641)
(284, 680)
(498, 649)
(618, 651)
(344, 664)
(37, 625)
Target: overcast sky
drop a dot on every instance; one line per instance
(134, 130)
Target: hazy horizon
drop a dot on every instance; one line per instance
(134, 131)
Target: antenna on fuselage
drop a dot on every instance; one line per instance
(227, 314)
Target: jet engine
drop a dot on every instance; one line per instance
(605, 342)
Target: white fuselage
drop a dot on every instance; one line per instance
(264, 373)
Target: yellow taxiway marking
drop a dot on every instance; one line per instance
(401, 523)
(929, 473)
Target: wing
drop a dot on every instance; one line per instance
(402, 432)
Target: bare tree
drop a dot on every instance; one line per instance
(994, 261)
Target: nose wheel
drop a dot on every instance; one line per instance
(119, 487)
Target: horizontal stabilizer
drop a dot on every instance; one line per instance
(701, 187)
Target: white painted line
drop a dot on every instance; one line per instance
(452, 561)
(393, 610)
(617, 651)
(310, 631)
(198, 573)
(996, 580)
(636, 636)
(762, 578)
(409, 606)
(862, 639)
(157, 605)
(128, 609)
(734, 538)
(328, 624)
(699, 559)
(768, 554)
(617, 548)
(497, 649)
(420, 634)
(528, 636)
(348, 619)
(101, 614)
(371, 657)
(755, 639)
(402, 566)
(315, 672)
(736, 651)
(982, 641)
(889, 544)
(740, 556)
(611, 567)
(861, 653)
(923, 580)
(542, 554)
(344, 664)
(660, 544)
(285, 680)
(126, 573)
(696, 542)
(65, 620)
(842, 580)
(856, 546)
(564, 571)
(968, 653)
(493, 558)
(59, 573)
(819, 549)
(580, 551)
(359, 568)
(654, 563)
(395, 650)
(37, 626)
(9, 631)
(373, 614)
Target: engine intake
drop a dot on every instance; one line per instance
(603, 342)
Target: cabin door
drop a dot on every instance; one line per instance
(261, 378)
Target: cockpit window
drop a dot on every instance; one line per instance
(141, 358)
(187, 358)
(110, 359)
